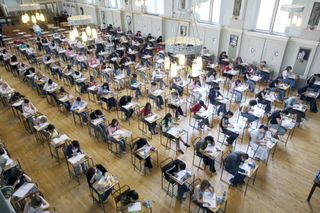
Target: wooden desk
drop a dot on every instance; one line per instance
(250, 173)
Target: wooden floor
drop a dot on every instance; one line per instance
(281, 186)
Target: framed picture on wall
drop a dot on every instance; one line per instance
(314, 16)
(233, 41)
(183, 30)
(303, 55)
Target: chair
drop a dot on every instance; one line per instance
(134, 156)
(225, 155)
(163, 166)
(117, 196)
(198, 166)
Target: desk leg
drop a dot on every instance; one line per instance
(311, 192)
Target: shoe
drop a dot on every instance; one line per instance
(187, 145)
(180, 151)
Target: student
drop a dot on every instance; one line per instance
(192, 89)
(176, 84)
(73, 149)
(195, 109)
(274, 88)
(247, 78)
(286, 75)
(166, 124)
(275, 121)
(61, 94)
(224, 124)
(105, 90)
(312, 100)
(29, 109)
(79, 104)
(157, 98)
(112, 128)
(141, 142)
(214, 93)
(51, 131)
(245, 110)
(158, 76)
(199, 191)
(233, 89)
(124, 100)
(16, 178)
(259, 144)
(175, 103)
(93, 175)
(145, 112)
(134, 85)
(129, 197)
(232, 165)
(37, 204)
(48, 86)
(261, 99)
(101, 128)
(178, 166)
(201, 152)
(118, 77)
(289, 104)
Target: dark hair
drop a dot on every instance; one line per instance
(253, 102)
(50, 81)
(153, 83)
(36, 201)
(209, 138)
(201, 103)
(113, 122)
(288, 68)
(147, 105)
(285, 111)
(245, 155)
(133, 195)
(166, 119)
(106, 85)
(78, 99)
(51, 127)
(229, 113)
(134, 75)
(75, 143)
(182, 165)
(98, 112)
(263, 127)
(26, 101)
(2, 151)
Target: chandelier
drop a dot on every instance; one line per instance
(33, 17)
(85, 33)
(182, 45)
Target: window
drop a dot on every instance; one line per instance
(114, 3)
(208, 11)
(154, 6)
(272, 16)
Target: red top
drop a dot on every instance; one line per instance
(196, 108)
(145, 112)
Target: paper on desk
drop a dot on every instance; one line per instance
(134, 207)
(24, 190)
(74, 160)
(209, 198)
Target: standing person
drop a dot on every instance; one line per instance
(232, 165)
(74, 149)
(202, 152)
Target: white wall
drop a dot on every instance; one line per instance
(276, 50)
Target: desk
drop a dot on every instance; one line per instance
(250, 173)
(145, 152)
(316, 183)
(148, 120)
(78, 112)
(181, 177)
(75, 161)
(56, 144)
(38, 134)
(107, 182)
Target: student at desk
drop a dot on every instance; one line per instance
(15, 178)
(74, 149)
(258, 143)
(195, 109)
(60, 94)
(198, 193)
(134, 81)
(40, 120)
(214, 93)
(158, 76)
(174, 104)
(77, 105)
(141, 142)
(261, 99)
(176, 84)
(224, 124)
(52, 131)
(289, 105)
(275, 121)
(105, 90)
(145, 112)
(274, 88)
(247, 78)
(129, 197)
(211, 77)
(201, 149)
(93, 175)
(166, 124)
(101, 128)
(29, 109)
(195, 84)
(157, 98)
(286, 76)
(124, 100)
(177, 167)
(111, 129)
(232, 165)
(49, 85)
(233, 89)
(245, 110)
(312, 100)
(37, 204)
(15, 97)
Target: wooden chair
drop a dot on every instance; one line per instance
(198, 166)
(171, 184)
(117, 196)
